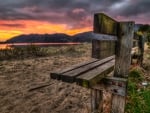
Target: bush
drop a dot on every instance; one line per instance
(138, 96)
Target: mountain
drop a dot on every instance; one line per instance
(36, 38)
(83, 37)
(51, 38)
(57, 38)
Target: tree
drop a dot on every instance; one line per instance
(145, 30)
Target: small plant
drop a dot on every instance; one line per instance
(138, 97)
(136, 74)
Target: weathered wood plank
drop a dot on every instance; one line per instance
(104, 37)
(123, 49)
(122, 61)
(92, 77)
(56, 74)
(93, 100)
(99, 100)
(71, 75)
(96, 101)
(104, 24)
(103, 48)
(113, 85)
(141, 49)
(138, 49)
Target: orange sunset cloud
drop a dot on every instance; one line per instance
(8, 29)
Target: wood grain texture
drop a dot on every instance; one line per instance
(56, 74)
(104, 24)
(96, 101)
(122, 61)
(138, 49)
(93, 100)
(123, 49)
(118, 104)
(103, 48)
(70, 76)
(113, 85)
(99, 101)
(141, 49)
(92, 77)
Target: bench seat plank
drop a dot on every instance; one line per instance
(56, 74)
(71, 75)
(94, 76)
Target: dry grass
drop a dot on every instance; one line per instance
(32, 51)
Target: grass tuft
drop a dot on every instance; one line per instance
(138, 100)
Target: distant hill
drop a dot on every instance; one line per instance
(51, 38)
(83, 37)
(36, 38)
(57, 38)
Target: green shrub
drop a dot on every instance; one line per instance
(138, 96)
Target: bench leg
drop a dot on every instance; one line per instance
(96, 101)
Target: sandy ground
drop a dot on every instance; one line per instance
(18, 76)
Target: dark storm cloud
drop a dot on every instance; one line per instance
(74, 13)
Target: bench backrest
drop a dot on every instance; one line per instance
(102, 48)
(104, 45)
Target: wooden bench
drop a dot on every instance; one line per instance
(111, 50)
(86, 74)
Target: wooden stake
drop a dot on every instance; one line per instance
(96, 101)
(141, 48)
(122, 61)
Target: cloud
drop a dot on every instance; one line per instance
(135, 10)
(130, 8)
(73, 13)
(13, 25)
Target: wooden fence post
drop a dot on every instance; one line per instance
(141, 49)
(122, 61)
(96, 101)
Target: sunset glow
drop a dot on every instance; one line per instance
(65, 16)
(34, 27)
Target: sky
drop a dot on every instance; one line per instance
(65, 16)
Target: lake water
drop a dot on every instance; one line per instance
(4, 46)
